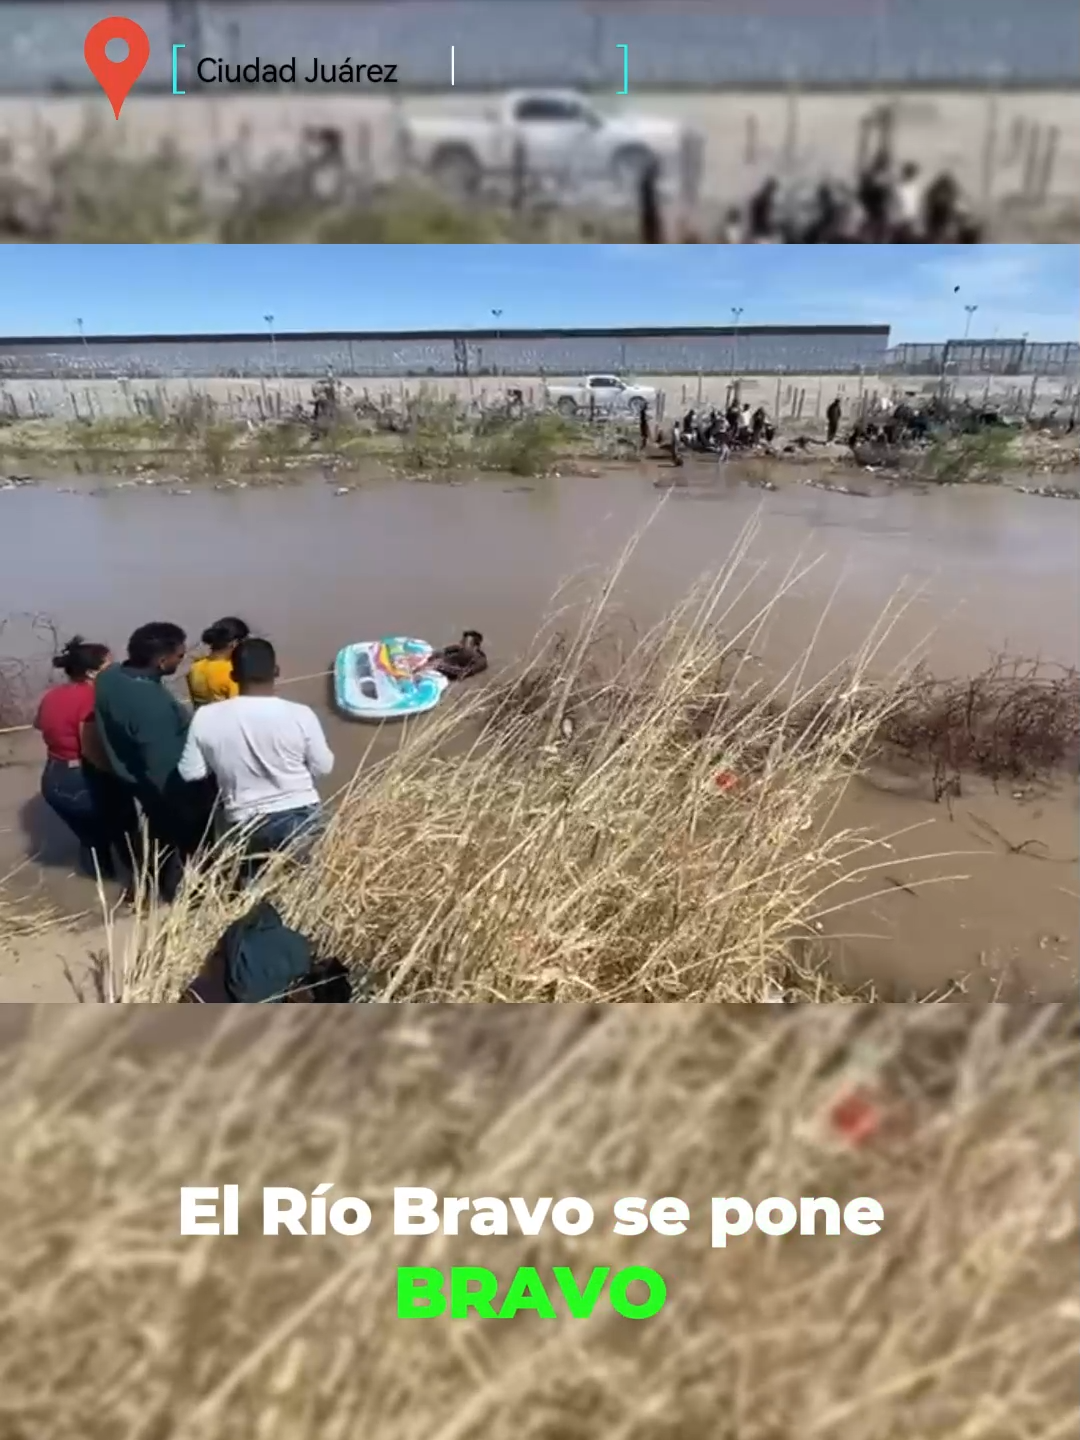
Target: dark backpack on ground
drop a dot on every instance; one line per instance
(264, 959)
(257, 960)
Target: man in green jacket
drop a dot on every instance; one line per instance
(142, 729)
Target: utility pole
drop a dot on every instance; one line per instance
(184, 29)
(736, 315)
(970, 309)
(273, 345)
(497, 316)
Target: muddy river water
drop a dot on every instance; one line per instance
(989, 569)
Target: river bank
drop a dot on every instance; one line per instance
(982, 570)
(228, 433)
(111, 456)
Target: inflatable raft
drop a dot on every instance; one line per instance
(385, 679)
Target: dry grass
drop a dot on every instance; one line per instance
(634, 818)
(625, 818)
(425, 438)
(957, 1322)
(22, 916)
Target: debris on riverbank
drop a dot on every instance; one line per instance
(1049, 492)
(344, 436)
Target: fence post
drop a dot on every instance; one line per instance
(519, 177)
(791, 125)
(1031, 163)
(750, 140)
(1046, 170)
(990, 145)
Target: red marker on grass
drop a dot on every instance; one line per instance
(116, 77)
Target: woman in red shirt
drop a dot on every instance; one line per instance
(62, 717)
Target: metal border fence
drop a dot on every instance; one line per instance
(721, 350)
(674, 44)
(824, 349)
(988, 357)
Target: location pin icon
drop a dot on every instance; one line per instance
(116, 77)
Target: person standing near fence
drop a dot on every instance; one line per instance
(832, 418)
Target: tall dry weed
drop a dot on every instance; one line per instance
(642, 820)
(960, 1319)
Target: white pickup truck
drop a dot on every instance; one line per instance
(601, 392)
(551, 133)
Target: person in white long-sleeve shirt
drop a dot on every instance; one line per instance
(264, 752)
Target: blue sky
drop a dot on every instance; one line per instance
(118, 289)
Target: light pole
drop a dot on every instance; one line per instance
(497, 316)
(82, 333)
(736, 315)
(273, 343)
(970, 310)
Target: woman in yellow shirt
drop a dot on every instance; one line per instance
(210, 677)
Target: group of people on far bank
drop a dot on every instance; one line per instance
(714, 431)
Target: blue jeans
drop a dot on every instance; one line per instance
(65, 791)
(296, 829)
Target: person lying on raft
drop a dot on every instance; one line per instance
(461, 661)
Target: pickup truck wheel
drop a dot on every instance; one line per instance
(635, 406)
(456, 170)
(566, 407)
(629, 166)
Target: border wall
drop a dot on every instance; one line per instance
(660, 351)
(679, 44)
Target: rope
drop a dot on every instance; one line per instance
(289, 680)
